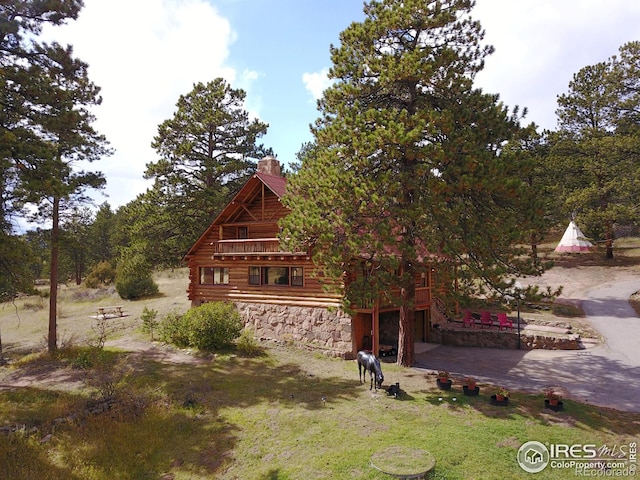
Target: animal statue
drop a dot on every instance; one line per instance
(369, 362)
(394, 390)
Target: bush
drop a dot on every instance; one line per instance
(174, 329)
(133, 278)
(247, 343)
(207, 327)
(102, 274)
(149, 322)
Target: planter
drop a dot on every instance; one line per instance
(444, 384)
(471, 392)
(556, 408)
(499, 400)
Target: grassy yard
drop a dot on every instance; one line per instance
(283, 414)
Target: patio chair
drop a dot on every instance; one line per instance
(485, 320)
(504, 321)
(468, 319)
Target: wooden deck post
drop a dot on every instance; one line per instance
(375, 328)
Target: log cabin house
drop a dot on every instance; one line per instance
(238, 258)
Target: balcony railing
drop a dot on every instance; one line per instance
(422, 299)
(255, 245)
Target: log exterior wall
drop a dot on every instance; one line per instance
(243, 240)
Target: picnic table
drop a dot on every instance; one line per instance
(115, 311)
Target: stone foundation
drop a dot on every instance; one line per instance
(328, 331)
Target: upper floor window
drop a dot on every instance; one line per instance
(243, 233)
(214, 276)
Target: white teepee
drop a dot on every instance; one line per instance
(573, 240)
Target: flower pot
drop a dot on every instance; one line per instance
(470, 392)
(556, 408)
(501, 402)
(444, 384)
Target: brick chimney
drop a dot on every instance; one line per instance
(269, 165)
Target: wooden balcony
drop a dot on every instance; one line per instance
(422, 300)
(248, 246)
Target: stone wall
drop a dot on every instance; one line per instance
(320, 329)
(504, 339)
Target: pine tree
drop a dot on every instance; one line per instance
(406, 166)
(206, 151)
(46, 93)
(594, 155)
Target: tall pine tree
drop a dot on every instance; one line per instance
(406, 166)
(206, 151)
(46, 93)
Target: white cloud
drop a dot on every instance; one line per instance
(540, 44)
(144, 54)
(316, 83)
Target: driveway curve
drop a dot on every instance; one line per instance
(589, 376)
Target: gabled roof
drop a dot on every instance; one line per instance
(275, 183)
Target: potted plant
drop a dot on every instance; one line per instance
(553, 399)
(443, 380)
(501, 397)
(470, 388)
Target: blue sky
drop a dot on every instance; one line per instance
(146, 53)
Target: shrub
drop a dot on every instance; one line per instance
(149, 321)
(173, 329)
(102, 274)
(133, 278)
(247, 343)
(207, 327)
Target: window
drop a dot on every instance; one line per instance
(293, 276)
(243, 232)
(296, 277)
(254, 275)
(214, 276)
(275, 275)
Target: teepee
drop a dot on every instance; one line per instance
(573, 240)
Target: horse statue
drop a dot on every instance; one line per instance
(368, 361)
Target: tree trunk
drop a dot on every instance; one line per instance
(609, 243)
(53, 277)
(2, 362)
(406, 324)
(79, 270)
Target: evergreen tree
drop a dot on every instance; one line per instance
(20, 23)
(47, 93)
(407, 166)
(101, 236)
(206, 151)
(594, 155)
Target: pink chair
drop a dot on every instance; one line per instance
(485, 320)
(504, 321)
(468, 319)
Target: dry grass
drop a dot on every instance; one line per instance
(24, 323)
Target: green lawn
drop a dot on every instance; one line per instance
(264, 417)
